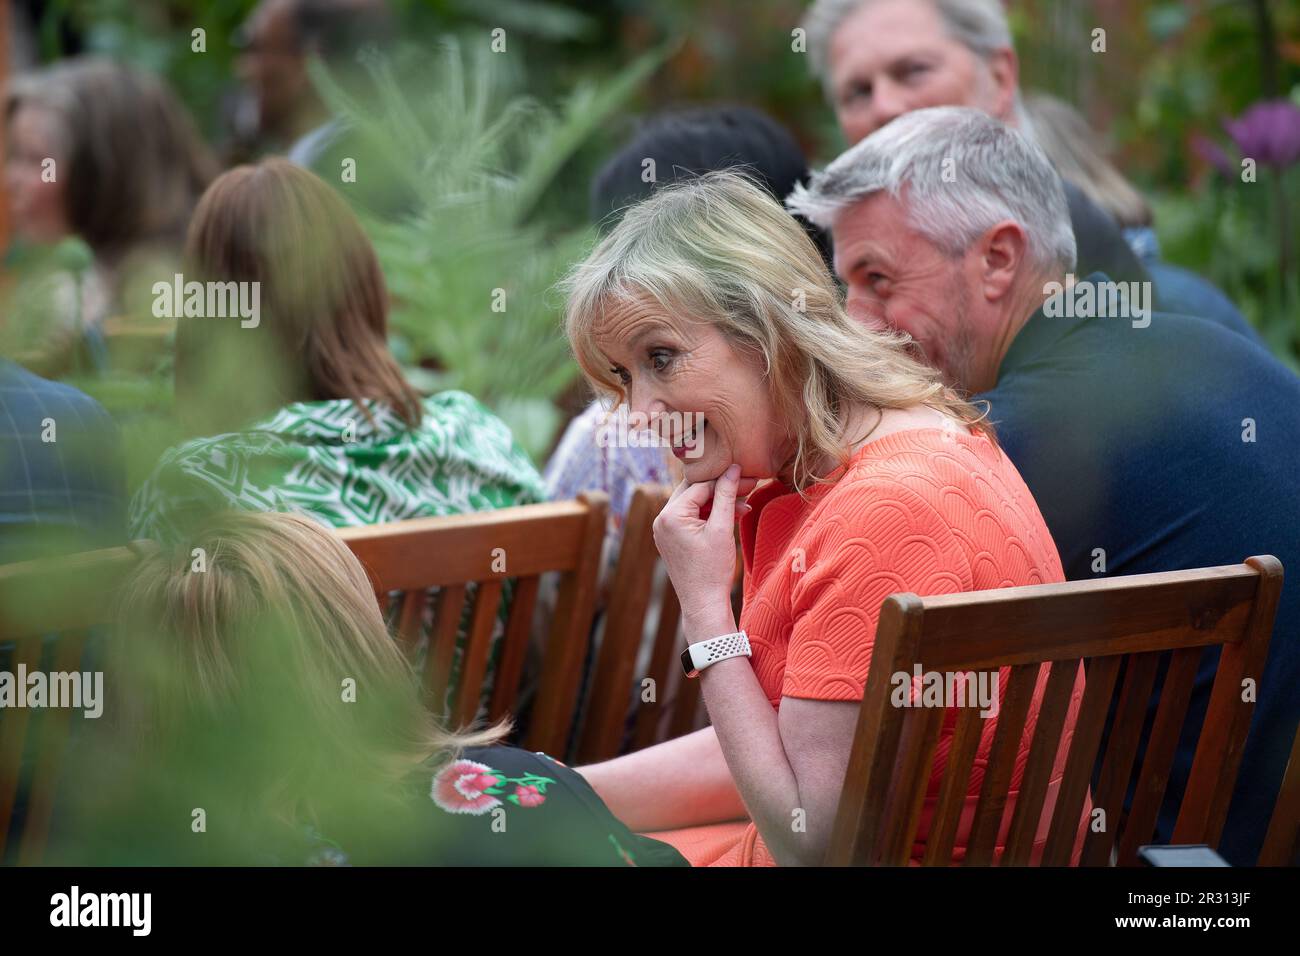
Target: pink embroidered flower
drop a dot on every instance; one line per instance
(461, 787)
(529, 796)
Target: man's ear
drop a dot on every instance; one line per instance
(1001, 250)
(1004, 69)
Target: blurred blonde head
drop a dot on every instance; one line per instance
(720, 250)
(242, 655)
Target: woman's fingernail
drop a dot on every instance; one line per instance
(733, 472)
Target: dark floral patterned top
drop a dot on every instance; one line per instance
(503, 806)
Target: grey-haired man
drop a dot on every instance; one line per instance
(1150, 441)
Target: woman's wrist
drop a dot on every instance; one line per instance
(706, 622)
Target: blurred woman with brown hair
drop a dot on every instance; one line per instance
(305, 406)
(103, 168)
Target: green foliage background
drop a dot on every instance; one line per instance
(501, 149)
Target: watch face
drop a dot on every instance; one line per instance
(688, 663)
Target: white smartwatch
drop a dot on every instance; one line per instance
(704, 654)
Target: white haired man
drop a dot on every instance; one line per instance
(1128, 425)
(879, 59)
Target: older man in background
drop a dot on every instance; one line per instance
(1151, 441)
(879, 59)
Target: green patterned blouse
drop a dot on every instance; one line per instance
(326, 459)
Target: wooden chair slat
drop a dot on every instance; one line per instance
(442, 646)
(953, 788)
(603, 723)
(1227, 718)
(662, 659)
(1117, 764)
(473, 668)
(1002, 760)
(410, 620)
(569, 637)
(1171, 713)
(875, 744)
(1282, 842)
(912, 771)
(1063, 833)
(1043, 750)
(514, 648)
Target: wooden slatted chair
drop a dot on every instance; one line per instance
(487, 549)
(53, 601)
(675, 709)
(1282, 842)
(1131, 621)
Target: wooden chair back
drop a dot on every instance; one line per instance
(1128, 623)
(486, 549)
(672, 710)
(48, 609)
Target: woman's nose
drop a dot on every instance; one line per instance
(642, 398)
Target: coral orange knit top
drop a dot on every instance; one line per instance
(929, 511)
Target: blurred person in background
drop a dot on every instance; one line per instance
(1069, 143)
(305, 407)
(61, 471)
(879, 59)
(282, 111)
(228, 690)
(103, 167)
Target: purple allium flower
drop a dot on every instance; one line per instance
(1212, 153)
(1269, 133)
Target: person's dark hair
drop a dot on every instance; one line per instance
(337, 29)
(690, 143)
(324, 301)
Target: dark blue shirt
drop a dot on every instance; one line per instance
(1169, 447)
(61, 473)
(1179, 290)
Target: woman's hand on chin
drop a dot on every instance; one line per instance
(695, 534)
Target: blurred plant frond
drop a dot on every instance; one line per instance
(469, 266)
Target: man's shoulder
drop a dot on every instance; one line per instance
(21, 389)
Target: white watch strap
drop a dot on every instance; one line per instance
(707, 653)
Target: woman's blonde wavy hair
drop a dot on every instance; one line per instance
(719, 249)
(241, 651)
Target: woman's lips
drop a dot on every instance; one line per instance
(688, 444)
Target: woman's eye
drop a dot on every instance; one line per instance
(659, 360)
(622, 375)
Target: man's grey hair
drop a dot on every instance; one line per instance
(979, 25)
(963, 171)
